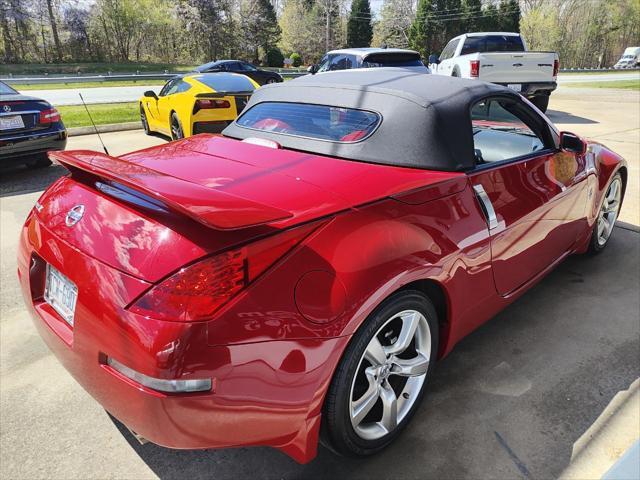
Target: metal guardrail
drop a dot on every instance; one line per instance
(80, 78)
(598, 70)
(142, 77)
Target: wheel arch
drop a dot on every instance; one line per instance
(437, 294)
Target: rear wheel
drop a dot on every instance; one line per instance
(382, 375)
(607, 215)
(145, 122)
(41, 161)
(176, 127)
(541, 101)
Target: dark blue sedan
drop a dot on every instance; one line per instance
(29, 128)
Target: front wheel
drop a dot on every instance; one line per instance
(607, 215)
(271, 80)
(145, 122)
(381, 378)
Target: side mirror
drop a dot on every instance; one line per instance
(151, 94)
(313, 69)
(572, 143)
(433, 58)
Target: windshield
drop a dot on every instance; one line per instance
(6, 89)
(492, 43)
(392, 60)
(321, 122)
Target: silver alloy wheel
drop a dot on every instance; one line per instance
(609, 211)
(176, 130)
(390, 375)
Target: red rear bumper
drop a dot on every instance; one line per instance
(267, 393)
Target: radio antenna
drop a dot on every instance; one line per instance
(94, 125)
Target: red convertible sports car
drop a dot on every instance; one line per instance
(298, 277)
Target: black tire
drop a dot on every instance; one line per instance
(337, 432)
(271, 80)
(145, 122)
(456, 73)
(596, 243)
(41, 161)
(176, 128)
(541, 101)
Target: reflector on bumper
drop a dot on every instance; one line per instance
(167, 386)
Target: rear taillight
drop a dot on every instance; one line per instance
(556, 67)
(195, 292)
(49, 116)
(209, 103)
(475, 68)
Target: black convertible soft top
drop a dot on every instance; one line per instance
(425, 118)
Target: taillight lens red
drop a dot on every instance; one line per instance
(49, 116)
(475, 67)
(556, 67)
(197, 291)
(209, 103)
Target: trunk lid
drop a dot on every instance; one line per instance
(516, 67)
(150, 212)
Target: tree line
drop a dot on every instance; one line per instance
(586, 33)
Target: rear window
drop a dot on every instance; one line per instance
(492, 43)
(6, 89)
(321, 122)
(226, 82)
(392, 60)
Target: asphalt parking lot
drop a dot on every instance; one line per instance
(531, 394)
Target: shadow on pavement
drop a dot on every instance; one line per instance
(509, 402)
(19, 179)
(557, 116)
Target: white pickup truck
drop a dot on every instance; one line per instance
(500, 57)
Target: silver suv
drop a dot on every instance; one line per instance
(349, 58)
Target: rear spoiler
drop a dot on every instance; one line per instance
(222, 94)
(208, 206)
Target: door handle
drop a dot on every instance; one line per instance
(487, 207)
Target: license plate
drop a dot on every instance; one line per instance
(515, 86)
(61, 293)
(11, 123)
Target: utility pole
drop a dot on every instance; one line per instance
(327, 39)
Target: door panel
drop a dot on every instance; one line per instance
(164, 108)
(538, 205)
(151, 106)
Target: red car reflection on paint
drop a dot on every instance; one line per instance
(308, 267)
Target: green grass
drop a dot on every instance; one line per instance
(102, 113)
(61, 86)
(73, 68)
(623, 84)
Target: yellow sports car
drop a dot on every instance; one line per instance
(195, 103)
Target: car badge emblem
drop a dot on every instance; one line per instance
(74, 215)
(6, 108)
